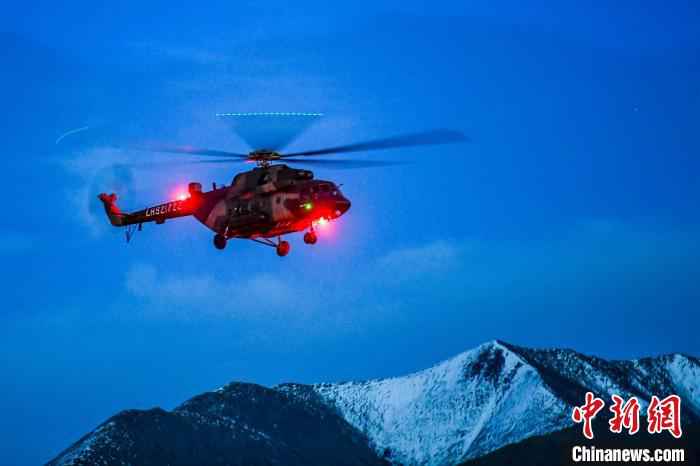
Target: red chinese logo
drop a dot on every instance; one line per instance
(587, 413)
(662, 415)
(665, 415)
(624, 415)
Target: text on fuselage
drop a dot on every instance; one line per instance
(163, 209)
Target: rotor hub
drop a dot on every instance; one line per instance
(263, 157)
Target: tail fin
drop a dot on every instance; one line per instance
(116, 217)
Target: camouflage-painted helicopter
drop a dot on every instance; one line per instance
(270, 200)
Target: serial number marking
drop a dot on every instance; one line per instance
(173, 206)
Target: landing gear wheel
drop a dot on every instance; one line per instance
(310, 237)
(219, 241)
(283, 248)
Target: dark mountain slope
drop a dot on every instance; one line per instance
(240, 424)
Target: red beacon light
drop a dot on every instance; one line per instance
(181, 194)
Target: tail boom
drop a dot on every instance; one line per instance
(158, 213)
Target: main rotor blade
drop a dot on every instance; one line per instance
(191, 151)
(342, 164)
(269, 130)
(177, 162)
(332, 164)
(442, 136)
(216, 161)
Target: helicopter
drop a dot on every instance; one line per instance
(269, 201)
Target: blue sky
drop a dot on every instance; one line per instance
(569, 220)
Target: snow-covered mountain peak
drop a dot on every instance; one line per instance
(496, 394)
(448, 412)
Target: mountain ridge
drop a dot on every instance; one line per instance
(552, 380)
(463, 408)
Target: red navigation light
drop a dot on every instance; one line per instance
(180, 194)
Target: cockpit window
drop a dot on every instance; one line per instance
(325, 188)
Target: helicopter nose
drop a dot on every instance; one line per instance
(342, 205)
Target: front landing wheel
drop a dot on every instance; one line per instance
(283, 248)
(310, 237)
(219, 241)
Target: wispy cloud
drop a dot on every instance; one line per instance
(418, 262)
(593, 268)
(261, 296)
(266, 294)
